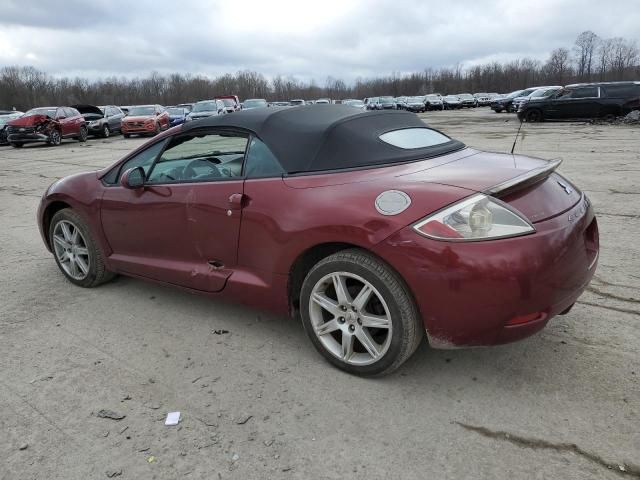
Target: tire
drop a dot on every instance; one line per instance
(534, 115)
(55, 138)
(83, 134)
(609, 117)
(93, 260)
(157, 130)
(17, 145)
(106, 133)
(389, 304)
(126, 135)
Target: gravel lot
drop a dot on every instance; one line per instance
(258, 402)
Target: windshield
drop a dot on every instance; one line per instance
(49, 112)
(354, 103)
(514, 94)
(415, 99)
(451, 97)
(141, 111)
(255, 103)
(466, 96)
(433, 97)
(204, 107)
(386, 99)
(175, 111)
(228, 102)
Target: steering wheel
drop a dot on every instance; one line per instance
(190, 171)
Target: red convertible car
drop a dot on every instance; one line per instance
(372, 228)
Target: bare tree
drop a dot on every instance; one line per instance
(558, 66)
(584, 51)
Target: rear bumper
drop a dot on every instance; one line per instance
(494, 292)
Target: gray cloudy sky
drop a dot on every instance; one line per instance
(345, 39)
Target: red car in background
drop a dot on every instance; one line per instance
(145, 120)
(371, 228)
(231, 102)
(47, 125)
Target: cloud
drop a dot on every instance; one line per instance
(344, 39)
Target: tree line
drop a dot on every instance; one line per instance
(591, 58)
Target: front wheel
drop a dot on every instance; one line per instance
(106, 133)
(83, 134)
(55, 138)
(359, 314)
(77, 254)
(17, 145)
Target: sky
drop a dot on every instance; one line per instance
(344, 39)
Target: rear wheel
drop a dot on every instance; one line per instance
(534, 115)
(358, 313)
(17, 145)
(77, 254)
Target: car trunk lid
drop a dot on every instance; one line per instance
(528, 184)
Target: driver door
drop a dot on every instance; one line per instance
(182, 227)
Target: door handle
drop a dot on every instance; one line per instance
(235, 200)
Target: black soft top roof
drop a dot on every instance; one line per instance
(327, 137)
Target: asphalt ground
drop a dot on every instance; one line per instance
(258, 402)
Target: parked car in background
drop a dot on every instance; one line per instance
(323, 101)
(101, 121)
(187, 106)
(386, 103)
(399, 232)
(482, 99)
(47, 125)
(415, 104)
(359, 104)
(371, 103)
(279, 104)
(206, 108)
(502, 104)
(451, 102)
(252, 103)
(145, 120)
(297, 102)
(543, 92)
(434, 101)
(467, 100)
(231, 102)
(594, 100)
(177, 115)
(5, 118)
(401, 102)
(524, 95)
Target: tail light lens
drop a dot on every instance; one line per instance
(479, 217)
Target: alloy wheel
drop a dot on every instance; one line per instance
(105, 131)
(55, 138)
(350, 318)
(71, 249)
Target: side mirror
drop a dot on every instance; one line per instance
(133, 178)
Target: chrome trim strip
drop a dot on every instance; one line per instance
(536, 172)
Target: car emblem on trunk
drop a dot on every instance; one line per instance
(566, 187)
(392, 202)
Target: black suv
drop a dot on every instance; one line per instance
(584, 100)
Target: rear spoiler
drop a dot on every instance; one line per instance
(526, 179)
